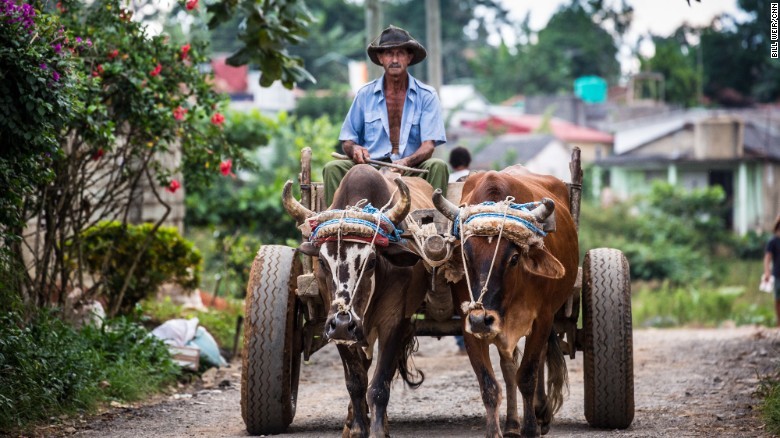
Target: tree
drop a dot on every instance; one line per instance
(266, 29)
(570, 46)
(676, 60)
(143, 100)
(38, 89)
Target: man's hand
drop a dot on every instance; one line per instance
(402, 162)
(358, 153)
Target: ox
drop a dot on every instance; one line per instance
(371, 285)
(516, 279)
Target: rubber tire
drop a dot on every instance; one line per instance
(608, 346)
(272, 342)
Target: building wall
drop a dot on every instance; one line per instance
(552, 160)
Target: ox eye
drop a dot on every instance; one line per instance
(371, 263)
(322, 263)
(515, 258)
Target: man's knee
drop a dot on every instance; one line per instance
(436, 163)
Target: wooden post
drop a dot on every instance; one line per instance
(305, 182)
(433, 43)
(575, 187)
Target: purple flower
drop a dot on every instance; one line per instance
(78, 40)
(43, 66)
(55, 76)
(89, 42)
(57, 47)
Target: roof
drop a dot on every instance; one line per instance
(229, 79)
(519, 148)
(528, 123)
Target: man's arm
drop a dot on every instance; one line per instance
(768, 265)
(358, 153)
(424, 152)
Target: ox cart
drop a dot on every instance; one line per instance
(285, 317)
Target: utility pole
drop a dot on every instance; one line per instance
(373, 29)
(433, 37)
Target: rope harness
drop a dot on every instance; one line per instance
(367, 225)
(496, 219)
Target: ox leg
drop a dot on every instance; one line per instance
(479, 356)
(390, 345)
(541, 407)
(527, 378)
(356, 378)
(509, 366)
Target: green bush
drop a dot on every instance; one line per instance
(111, 248)
(670, 234)
(48, 368)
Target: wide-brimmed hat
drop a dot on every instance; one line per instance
(392, 38)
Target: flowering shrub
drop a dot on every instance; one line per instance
(38, 85)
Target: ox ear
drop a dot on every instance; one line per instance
(540, 262)
(399, 255)
(309, 249)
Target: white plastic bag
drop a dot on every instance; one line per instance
(767, 286)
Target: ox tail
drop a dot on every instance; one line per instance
(406, 367)
(557, 374)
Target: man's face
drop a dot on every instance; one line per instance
(395, 61)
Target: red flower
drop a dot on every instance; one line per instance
(179, 113)
(113, 54)
(185, 51)
(97, 154)
(173, 186)
(97, 71)
(217, 119)
(156, 70)
(191, 4)
(225, 167)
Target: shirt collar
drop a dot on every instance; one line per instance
(378, 86)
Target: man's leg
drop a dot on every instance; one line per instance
(777, 301)
(438, 173)
(332, 174)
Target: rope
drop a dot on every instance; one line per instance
(347, 307)
(468, 306)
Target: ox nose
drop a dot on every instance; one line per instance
(480, 321)
(341, 327)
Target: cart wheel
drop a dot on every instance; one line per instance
(272, 342)
(608, 349)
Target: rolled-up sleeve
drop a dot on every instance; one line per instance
(431, 123)
(352, 128)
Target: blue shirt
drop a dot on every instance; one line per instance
(367, 122)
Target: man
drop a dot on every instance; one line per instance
(772, 259)
(395, 118)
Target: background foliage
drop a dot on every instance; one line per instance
(167, 258)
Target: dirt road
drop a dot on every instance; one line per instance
(687, 383)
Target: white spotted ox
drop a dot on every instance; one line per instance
(518, 277)
(371, 290)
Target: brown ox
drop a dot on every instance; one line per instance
(371, 291)
(519, 296)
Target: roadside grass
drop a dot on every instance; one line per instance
(220, 323)
(48, 368)
(736, 299)
(769, 390)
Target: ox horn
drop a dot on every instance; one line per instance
(401, 208)
(446, 207)
(293, 207)
(545, 214)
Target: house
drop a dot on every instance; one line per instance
(541, 153)
(460, 103)
(594, 144)
(739, 151)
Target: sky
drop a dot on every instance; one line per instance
(661, 17)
